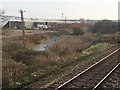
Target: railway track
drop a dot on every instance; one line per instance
(111, 80)
(92, 76)
(71, 71)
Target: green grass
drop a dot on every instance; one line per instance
(95, 48)
(98, 47)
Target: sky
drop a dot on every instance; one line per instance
(71, 9)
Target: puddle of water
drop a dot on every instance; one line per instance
(41, 47)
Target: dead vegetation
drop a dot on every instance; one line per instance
(30, 65)
(30, 42)
(27, 61)
(23, 66)
(71, 46)
(12, 73)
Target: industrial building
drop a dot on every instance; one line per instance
(12, 22)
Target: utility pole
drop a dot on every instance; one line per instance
(23, 27)
(62, 17)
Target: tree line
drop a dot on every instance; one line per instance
(104, 27)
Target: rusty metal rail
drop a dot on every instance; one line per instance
(86, 70)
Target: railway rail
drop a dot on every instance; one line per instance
(70, 72)
(94, 75)
(101, 83)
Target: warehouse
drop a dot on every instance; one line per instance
(12, 22)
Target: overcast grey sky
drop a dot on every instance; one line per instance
(53, 9)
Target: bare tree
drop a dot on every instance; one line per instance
(2, 11)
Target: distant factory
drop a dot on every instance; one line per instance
(12, 22)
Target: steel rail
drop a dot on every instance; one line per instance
(79, 74)
(99, 83)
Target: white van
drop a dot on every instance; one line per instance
(41, 26)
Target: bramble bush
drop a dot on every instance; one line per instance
(77, 31)
(11, 47)
(24, 56)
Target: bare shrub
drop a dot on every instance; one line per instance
(25, 56)
(70, 46)
(77, 31)
(36, 38)
(11, 47)
(12, 72)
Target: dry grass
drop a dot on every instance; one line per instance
(30, 42)
(69, 47)
(45, 62)
(12, 72)
(14, 33)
